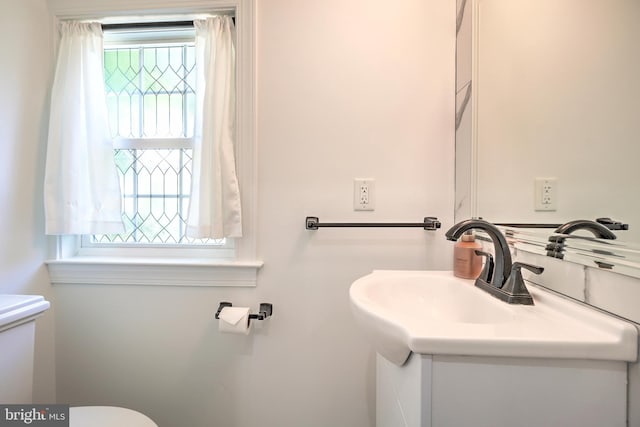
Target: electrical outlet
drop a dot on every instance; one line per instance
(363, 194)
(546, 194)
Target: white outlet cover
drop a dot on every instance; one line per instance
(546, 194)
(364, 194)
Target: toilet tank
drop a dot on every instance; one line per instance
(17, 339)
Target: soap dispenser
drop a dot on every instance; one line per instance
(466, 263)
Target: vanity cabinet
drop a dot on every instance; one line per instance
(459, 391)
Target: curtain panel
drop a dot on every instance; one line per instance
(215, 209)
(81, 188)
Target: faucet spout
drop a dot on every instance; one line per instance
(596, 228)
(502, 266)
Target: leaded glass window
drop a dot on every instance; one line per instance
(150, 92)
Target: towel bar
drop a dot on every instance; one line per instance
(429, 223)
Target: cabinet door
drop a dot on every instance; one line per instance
(403, 393)
(494, 392)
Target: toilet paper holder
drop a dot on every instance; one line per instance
(266, 310)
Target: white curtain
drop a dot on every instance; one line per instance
(214, 210)
(81, 189)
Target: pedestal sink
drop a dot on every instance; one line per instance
(451, 354)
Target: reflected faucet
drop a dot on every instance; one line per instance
(596, 228)
(502, 260)
(500, 278)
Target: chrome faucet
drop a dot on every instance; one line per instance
(500, 278)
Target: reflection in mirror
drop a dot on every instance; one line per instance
(549, 89)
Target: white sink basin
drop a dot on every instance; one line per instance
(433, 312)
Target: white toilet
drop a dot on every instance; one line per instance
(107, 416)
(17, 335)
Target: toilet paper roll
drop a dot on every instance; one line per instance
(234, 320)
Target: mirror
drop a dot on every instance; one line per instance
(549, 89)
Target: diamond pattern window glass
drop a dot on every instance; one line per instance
(150, 92)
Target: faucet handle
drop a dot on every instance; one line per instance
(532, 268)
(487, 270)
(515, 287)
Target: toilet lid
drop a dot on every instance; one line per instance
(107, 416)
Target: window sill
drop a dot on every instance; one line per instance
(153, 271)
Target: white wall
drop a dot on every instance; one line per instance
(24, 84)
(357, 88)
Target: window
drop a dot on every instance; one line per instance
(151, 117)
(150, 91)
